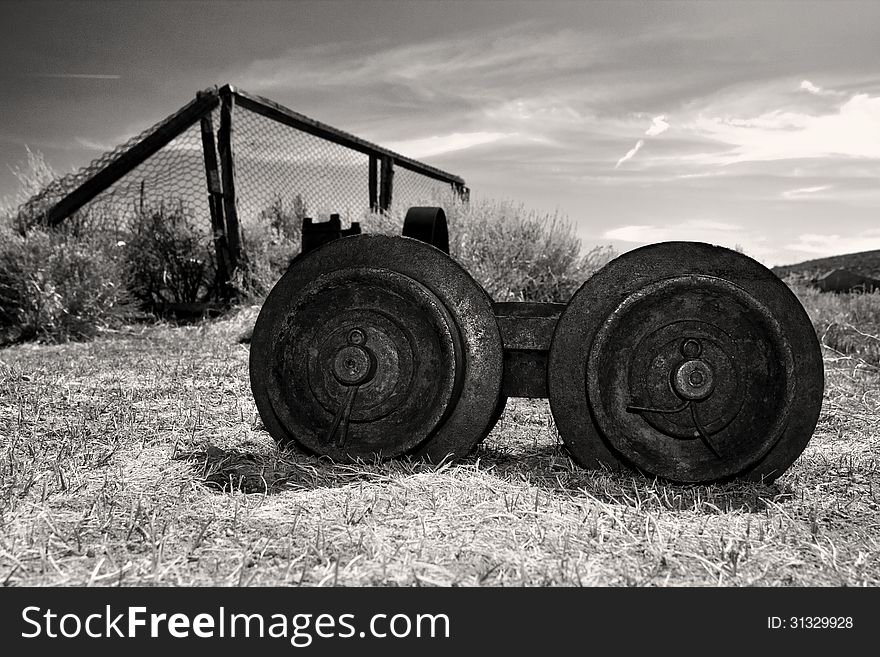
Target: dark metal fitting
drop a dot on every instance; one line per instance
(354, 365)
(691, 348)
(694, 380)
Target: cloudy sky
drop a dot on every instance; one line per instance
(752, 124)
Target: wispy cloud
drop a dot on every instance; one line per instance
(92, 145)
(631, 153)
(658, 126)
(78, 76)
(723, 233)
(817, 244)
(439, 144)
(694, 229)
(804, 192)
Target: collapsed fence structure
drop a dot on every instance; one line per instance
(261, 155)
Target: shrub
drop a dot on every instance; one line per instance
(267, 247)
(168, 258)
(514, 253)
(848, 323)
(33, 176)
(56, 288)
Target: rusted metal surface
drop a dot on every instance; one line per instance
(427, 225)
(316, 233)
(526, 332)
(689, 362)
(374, 346)
(685, 361)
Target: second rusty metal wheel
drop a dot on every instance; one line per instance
(690, 362)
(373, 347)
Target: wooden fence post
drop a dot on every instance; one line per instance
(373, 182)
(387, 184)
(215, 204)
(227, 169)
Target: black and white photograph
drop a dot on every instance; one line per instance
(328, 294)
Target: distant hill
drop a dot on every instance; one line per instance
(866, 263)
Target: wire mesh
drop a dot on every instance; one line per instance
(278, 163)
(174, 177)
(276, 166)
(412, 188)
(173, 174)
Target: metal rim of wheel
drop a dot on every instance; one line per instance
(376, 346)
(690, 362)
(427, 224)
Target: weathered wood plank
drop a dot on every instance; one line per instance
(215, 204)
(227, 175)
(386, 189)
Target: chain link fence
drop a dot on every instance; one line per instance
(228, 159)
(173, 175)
(276, 163)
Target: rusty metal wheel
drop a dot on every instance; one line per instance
(374, 346)
(427, 224)
(690, 362)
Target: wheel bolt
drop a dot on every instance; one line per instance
(691, 348)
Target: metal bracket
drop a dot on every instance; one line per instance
(526, 332)
(314, 234)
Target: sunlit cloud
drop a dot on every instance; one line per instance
(850, 130)
(804, 192)
(722, 233)
(439, 144)
(806, 85)
(658, 126)
(694, 230)
(816, 244)
(809, 87)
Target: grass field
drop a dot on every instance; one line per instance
(138, 459)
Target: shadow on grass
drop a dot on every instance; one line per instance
(545, 467)
(549, 467)
(281, 470)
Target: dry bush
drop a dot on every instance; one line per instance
(848, 323)
(56, 288)
(516, 254)
(268, 246)
(33, 175)
(168, 257)
(56, 284)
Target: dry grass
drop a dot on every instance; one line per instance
(138, 459)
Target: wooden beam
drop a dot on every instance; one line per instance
(374, 183)
(279, 113)
(131, 158)
(215, 203)
(227, 174)
(386, 189)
